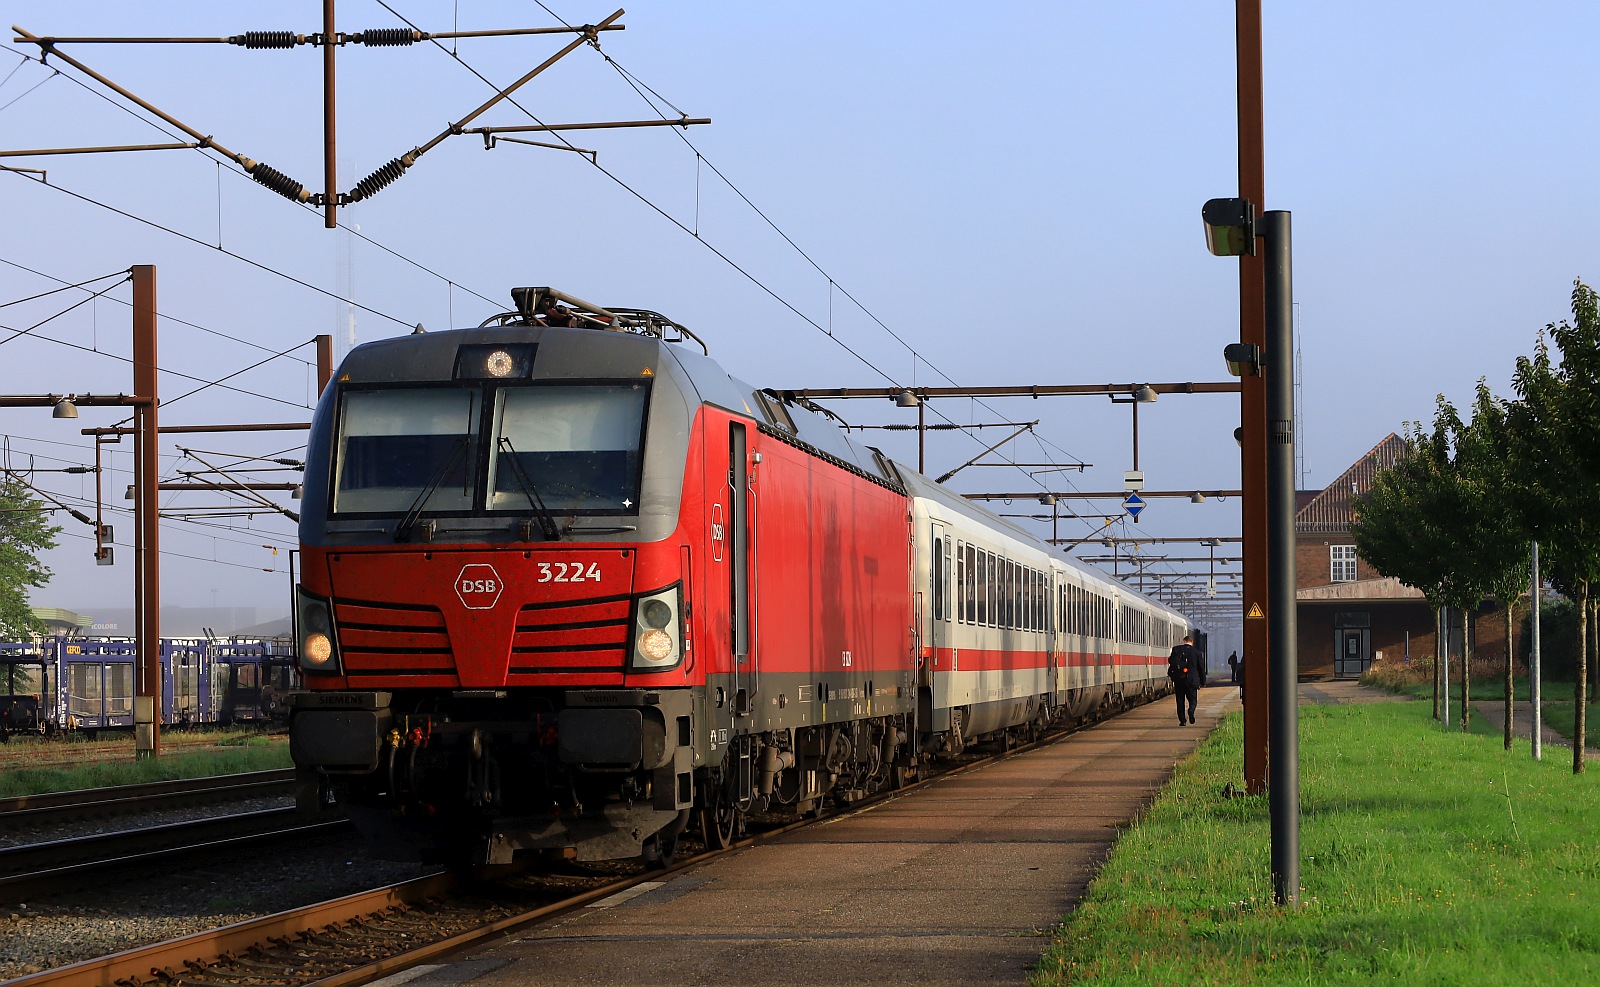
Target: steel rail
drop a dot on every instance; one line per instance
(58, 866)
(187, 791)
(135, 965)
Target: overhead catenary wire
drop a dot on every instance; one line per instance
(752, 278)
(637, 84)
(175, 373)
(163, 316)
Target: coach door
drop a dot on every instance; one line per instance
(939, 599)
(739, 549)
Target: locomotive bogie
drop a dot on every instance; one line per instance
(479, 776)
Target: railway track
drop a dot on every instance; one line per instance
(358, 938)
(27, 872)
(58, 807)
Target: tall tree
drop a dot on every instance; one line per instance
(1555, 431)
(25, 531)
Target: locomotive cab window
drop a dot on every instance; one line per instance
(577, 446)
(399, 445)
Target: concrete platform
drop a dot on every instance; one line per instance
(954, 884)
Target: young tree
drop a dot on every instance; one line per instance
(25, 531)
(1484, 450)
(1555, 430)
(1395, 530)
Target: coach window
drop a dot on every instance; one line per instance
(981, 587)
(971, 596)
(961, 582)
(996, 607)
(1008, 575)
(996, 618)
(938, 579)
(986, 602)
(1014, 597)
(946, 603)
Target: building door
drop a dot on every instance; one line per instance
(1351, 656)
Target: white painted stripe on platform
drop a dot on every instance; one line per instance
(405, 976)
(622, 896)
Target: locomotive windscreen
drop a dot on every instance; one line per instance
(396, 443)
(577, 448)
(578, 444)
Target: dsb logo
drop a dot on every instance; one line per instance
(478, 586)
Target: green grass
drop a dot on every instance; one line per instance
(1555, 696)
(260, 754)
(1427, 857)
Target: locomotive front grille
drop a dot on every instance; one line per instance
(566, 638)
(389, 639)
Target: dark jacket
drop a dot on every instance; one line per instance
(1183, 668)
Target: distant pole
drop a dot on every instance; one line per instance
(147, 519)
(1283, 745)
(1533, 659)
(324, 362)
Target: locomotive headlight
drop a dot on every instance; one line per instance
(494, 361)
(314, 627)
(499, 364)
(656, 613)
(655, 645)
(318, 650)
(658, 633)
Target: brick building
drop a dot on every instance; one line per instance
(1349, 616)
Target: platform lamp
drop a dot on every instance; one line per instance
(1231, 230)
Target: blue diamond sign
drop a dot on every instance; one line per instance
(1133, 505)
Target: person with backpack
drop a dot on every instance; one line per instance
(1183, 668)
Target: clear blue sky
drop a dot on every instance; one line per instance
(1013, 190)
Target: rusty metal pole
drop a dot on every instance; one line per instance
(330, 171)
(1253, 404)
(147, 518)
(324, 363)
(1136, 440)
(922, 437)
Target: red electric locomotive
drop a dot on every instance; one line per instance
(568, 587)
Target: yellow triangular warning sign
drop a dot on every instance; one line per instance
(1255, 611)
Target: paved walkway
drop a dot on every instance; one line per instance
(1492, 711)
(1341, 692)
(952, 885)
(1522, 724)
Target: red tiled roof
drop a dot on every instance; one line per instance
(1329, 512)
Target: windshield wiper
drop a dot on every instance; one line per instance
(457, 452)
(547, 521)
